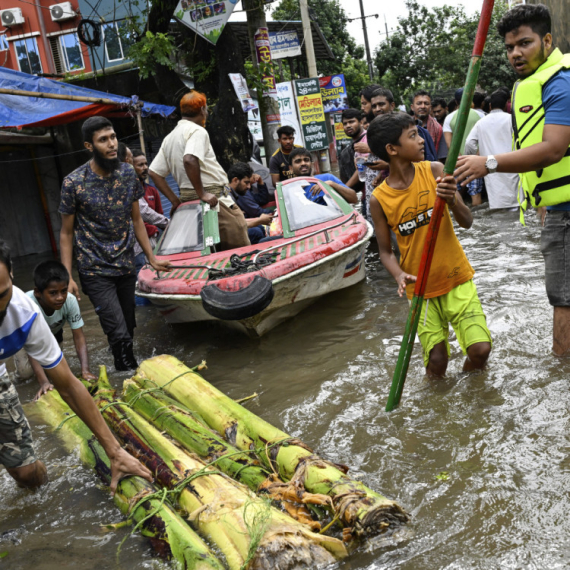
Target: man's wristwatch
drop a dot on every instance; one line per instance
(491, 164)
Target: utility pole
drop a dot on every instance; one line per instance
(268, 106)
(386, 26)
(308, 35)
(367, 45)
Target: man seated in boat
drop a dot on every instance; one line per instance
(258, 219)
(301, 165)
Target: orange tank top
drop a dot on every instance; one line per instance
(408, 213)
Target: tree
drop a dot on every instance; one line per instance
(156, 52)
(332, 20)
(432, 48)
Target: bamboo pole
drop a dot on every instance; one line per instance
(437, 214)
(42, 95)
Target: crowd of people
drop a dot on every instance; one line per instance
(112, 217)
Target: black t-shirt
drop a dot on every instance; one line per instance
(346, 164)
(279, 164)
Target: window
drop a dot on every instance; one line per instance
(117, 40)
(28, 56)
(185, 231)
(304, 209)
(71, 55)
(4, 46)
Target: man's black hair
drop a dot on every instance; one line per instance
(298, 152)
(499, 99)
(383, 92)
(239, 170)
(536, 16)
(478, 99)
(387, 129)
(122, 151)
(486, 106)
(92, 125)
(352, 114)
(5, 258)
(421, 92)
(367, 91)
(451, 105)
(439, 102)
(285, 130)
(48, 272)
(138, 152)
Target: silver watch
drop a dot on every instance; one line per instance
(491, 165)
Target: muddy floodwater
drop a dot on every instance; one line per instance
(480, 461)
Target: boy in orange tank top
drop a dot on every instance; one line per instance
(404, 203)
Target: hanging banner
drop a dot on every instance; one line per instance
(242, 92)
(333, 92)
(288, 109)
(311, 113)
(284, 44)
(205, 17)
(263, 53)
(342, 140)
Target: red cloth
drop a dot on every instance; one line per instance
(435, 130)
(152, 197)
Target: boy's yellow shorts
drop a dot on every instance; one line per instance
(460, 307)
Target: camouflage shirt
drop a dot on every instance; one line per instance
(104, 236)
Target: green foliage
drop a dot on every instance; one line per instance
(431, 49)
(443, 476)
(152, 50)
(332, 20)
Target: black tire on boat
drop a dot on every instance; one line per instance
(237, 305)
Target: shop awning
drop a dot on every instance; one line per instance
(39, 111)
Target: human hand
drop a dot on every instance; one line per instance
(174, 206)
(266, 219)
(256, 179)
(403, 280)
(541, 214)
(159, 264)
(73, 288)
(123, 465)
(469, 168)
(87, 375)
(361, 147)
(446, 189)
(44, 389)
(210, 199)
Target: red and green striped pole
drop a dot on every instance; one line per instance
(438, 209)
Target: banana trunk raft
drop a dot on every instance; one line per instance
(226, 481)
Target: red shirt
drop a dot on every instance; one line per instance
(152, 198)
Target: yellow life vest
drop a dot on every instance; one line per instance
(547, 186)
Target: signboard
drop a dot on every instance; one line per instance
(341, 139)
(254, 124)
(205, 17)
(311, 113)
(240, 87)
(333, 92)
(288, 109)
(284, 44)
(263, 52)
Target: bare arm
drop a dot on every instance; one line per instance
(193, 171)
(66, 250)
(555, 143)
(142, 238)
(45, 384)
(275, 180)
(79, 400)
(81, 349)
(361, 147)
(387, 257)
(347, 193)
(163, 187)
(353, 180)
(447, 189)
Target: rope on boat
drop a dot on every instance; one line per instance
(239, 265)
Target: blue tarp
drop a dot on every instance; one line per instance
(20, 111)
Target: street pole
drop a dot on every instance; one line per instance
(367, 45)
(268, 106)
(308, 36)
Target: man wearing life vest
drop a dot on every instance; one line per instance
(541, 124)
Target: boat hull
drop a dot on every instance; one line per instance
(292, 292)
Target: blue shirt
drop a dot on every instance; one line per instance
(250, 203)
(556, 101)
(325, 178)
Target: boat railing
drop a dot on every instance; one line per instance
(352, 215)
(305, 236)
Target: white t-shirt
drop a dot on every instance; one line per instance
(69, 312)
(24, 327)
(188, 138)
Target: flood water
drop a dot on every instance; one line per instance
(479, 460)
